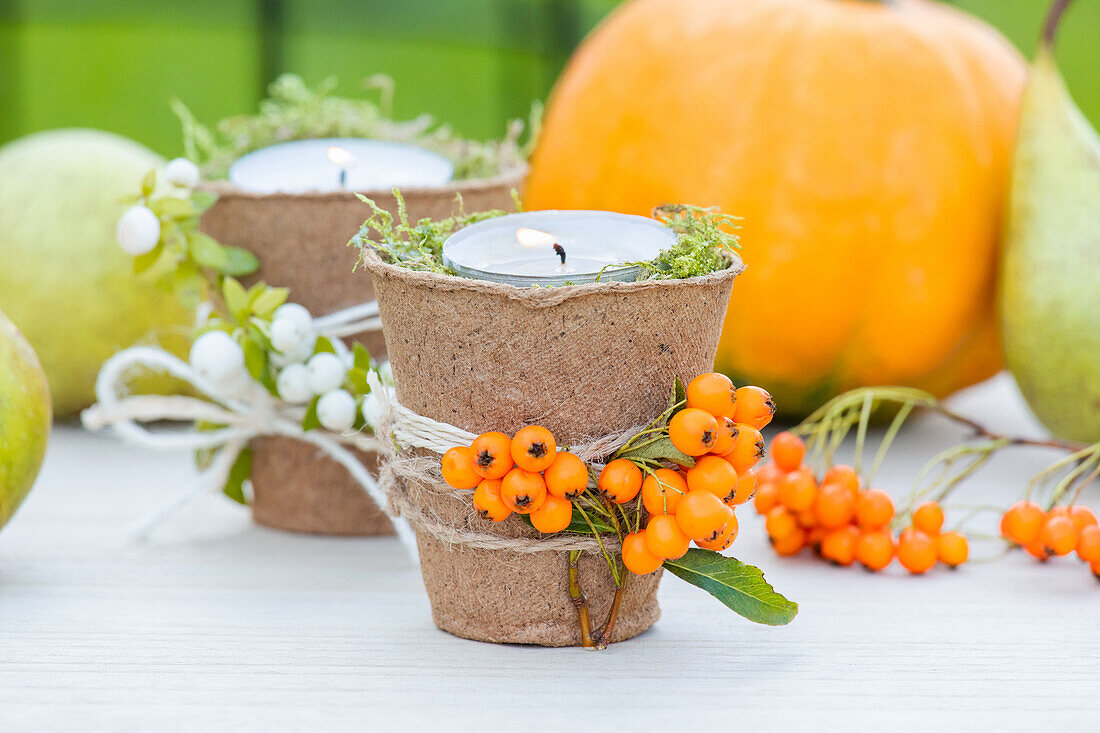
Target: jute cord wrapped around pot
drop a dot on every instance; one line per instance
(406, 474)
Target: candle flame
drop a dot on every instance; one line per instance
(340, 157)
(534, 238)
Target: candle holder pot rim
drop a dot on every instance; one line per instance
(539, 297)
(511, 176)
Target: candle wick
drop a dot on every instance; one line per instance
(560, 252)
(343, 178)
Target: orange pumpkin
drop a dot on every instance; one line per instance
(866, 144)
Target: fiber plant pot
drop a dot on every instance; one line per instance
(583, 361)
(301, 241)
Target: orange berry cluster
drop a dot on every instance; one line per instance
(842, 521)
(525, 474)
(720, 429)
(1057, 532)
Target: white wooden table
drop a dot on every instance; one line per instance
(217, 624)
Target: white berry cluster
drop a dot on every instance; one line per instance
(303, 375)
(138, 230)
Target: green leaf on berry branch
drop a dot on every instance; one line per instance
(658, 449)
(238, 474)
(739, 586)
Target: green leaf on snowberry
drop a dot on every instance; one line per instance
(266, 301)
(324, 346)
(357, 376)
(739, 586)
(206, 252)
(173, 208)
(658, 449)
(202, 200)
(255, 358)
(238, 474)
(362, 356)
(239, 262)
(236, 299)
(187, 284)
(149, 183)
(257, 331)
(310, 421)
(147, 260)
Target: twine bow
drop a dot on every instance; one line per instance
(257, 413)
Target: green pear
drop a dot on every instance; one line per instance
(1050, 278)
(24, 418)
(63, 278)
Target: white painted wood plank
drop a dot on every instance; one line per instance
(219, 624)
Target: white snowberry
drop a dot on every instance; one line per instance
(289, 337)
(336, 410)
(293, 384)
(326, 372)
(371, 410)
(182, 172)
(294, 313)
(218, 358)
(138, 230)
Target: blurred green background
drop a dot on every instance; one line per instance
(114, 64)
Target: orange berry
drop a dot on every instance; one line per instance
(664, 539)
(780, 522)
(492, 454)
(727, 435)
(620, 480)
(766, 497)
(554, 515)
(917, 551)
(833, 506)
(702, 515)
(769, 473)
(754, 407)
(567, 476)
(748, 448)
(523, 491)
(791, 544)
(1038, 550)
(953, 549)
(845, 476)
(746, 487)
(715, 475)
(662, 491)
(1022, 522)
(806, 519)
(458, 468)
(839, 545)
(1082, 516)
(1094, 566)
(1088, 543)
(875, 549)
(693, 431)
(798, 490)
(788, 450)
(724, 539)
(928, 518)
(636, 556)
(875, 509)
(488, 503)
(714, 393)
(1059, 534)
(533, 448)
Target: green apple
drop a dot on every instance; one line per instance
(64, 281)
(24, 418)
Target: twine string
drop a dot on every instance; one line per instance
(405, 479)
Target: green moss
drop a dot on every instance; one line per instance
(704, 240)
(293, 111)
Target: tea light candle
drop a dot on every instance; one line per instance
(556, 247)
(335, 164)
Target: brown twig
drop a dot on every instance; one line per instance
(603, 637)
(980, 431)
(579, 601)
